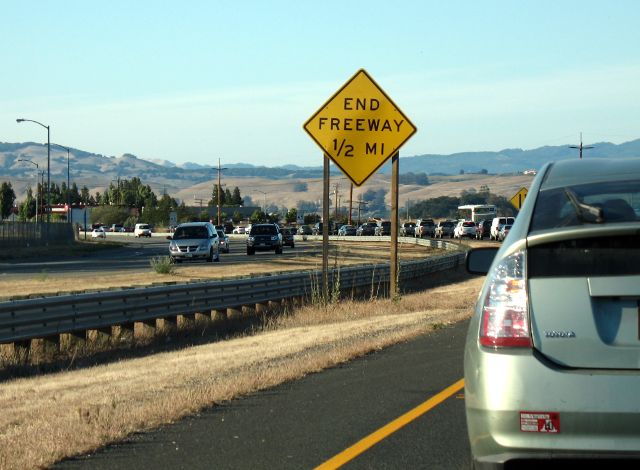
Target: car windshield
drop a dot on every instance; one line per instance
(190, 232)
(593, 203)
(263, 230)
(220, 233)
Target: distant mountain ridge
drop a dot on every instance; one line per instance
(99, 168)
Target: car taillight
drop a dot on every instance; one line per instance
(505, 313)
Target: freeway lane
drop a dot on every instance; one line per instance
(305, 423)
(135, 254)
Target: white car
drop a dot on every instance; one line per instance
(98, 233)
(142, 230)
(465, 228)
(239, 230)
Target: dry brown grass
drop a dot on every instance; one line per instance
(48, 418)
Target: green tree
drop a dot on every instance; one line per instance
(258, 217)
(27, 209)
(109, 215)
(7, 198)
(236, 198)
(85, 196)
(236, 217)
(213, 202)
(291, 216)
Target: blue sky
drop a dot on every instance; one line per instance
(201, 80)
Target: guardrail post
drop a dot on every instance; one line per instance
(219, 315)
(234, 313)
(21, 350)
(170, 325)
(124, 333)
(147, 328)
(187, 322)
(100, 336)
(73, 340)
(249, 310)
(276, 306)
(202, 320)
(50, 346)
(261, 308)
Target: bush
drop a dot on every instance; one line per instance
(162, 264)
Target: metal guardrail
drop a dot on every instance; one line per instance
(47, 316)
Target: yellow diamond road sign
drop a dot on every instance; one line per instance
(518, 199)
(359, 128)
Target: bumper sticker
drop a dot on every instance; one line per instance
(535, 421)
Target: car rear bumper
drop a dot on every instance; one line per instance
(593, 413)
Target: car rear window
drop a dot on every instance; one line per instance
(593, 203)
(597, 256)
(263, 230)
(183, 233)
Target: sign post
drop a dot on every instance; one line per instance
(359, 128)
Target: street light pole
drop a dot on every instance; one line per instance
(48, 163)
(37, 175)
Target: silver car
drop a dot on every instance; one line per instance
(194, 240)
(552, 356)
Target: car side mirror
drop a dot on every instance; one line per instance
(478, 260)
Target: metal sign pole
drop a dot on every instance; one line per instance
(393, 262)
(325, 231)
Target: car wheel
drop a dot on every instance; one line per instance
(279, 250)
(250, 251)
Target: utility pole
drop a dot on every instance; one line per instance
(580, 147)
(220, 170)
(198, 200)
(335, 195)
(350, 203)
(360, 204)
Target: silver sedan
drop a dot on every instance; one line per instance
(552, 358)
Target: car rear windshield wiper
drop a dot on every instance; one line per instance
(585, 212)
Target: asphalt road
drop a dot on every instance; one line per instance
(305, 423)
(135, 254)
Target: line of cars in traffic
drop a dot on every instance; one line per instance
(205, 241)
(494, 229)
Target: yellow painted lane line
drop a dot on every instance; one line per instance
(388, 429)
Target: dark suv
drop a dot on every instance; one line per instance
(317, 229)
(383, 228)
(366, 229)
(408, 229)
(287, 236)
(264, 237)
(445, 229)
